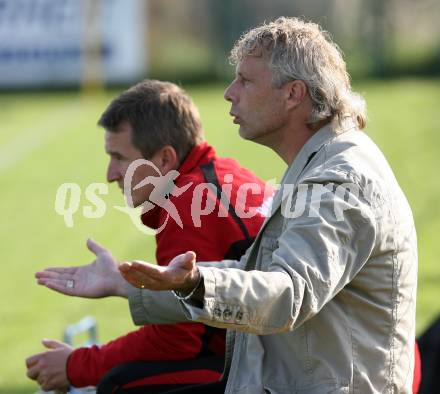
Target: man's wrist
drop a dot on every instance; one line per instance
(185, 294)
(67, 367)
(121, 287)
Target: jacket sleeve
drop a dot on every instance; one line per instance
(87, 366)
(162, 340)
(154, 307)
(314, 257)
(162, 307)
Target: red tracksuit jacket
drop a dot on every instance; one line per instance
(211, 241)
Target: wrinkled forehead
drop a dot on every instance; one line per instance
(254, 67)
(258, 46)
(117, 140)
(254, 49)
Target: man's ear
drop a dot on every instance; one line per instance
(296, 92)
(166, 159)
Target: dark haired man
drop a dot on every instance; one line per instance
(158, 122)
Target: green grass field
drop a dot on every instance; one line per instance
(49, 139)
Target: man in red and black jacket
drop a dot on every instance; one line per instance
(209, 205)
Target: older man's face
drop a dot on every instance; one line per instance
(257, 106)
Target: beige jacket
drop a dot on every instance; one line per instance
(324, 300)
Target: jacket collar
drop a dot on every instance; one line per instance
(322, 137)
(200, 154)
(309, 149)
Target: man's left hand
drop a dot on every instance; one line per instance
(49, 368)
(181, 274)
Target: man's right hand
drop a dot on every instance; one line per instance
(49, 368)
(101, 278)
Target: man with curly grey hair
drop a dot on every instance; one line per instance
(295, 50)
(324, 299)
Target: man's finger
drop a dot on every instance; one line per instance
(94, 247)
(140, 273)
(42, 381)
(135, 279)
(32, 360)
(191, 254)
(57, 270)
(58, 285)
(188, 260)
(134, 276)
(53, 275)
(125, 266)
(52, 343)
(147, 268)
(140, 266)
(183, 258)
(33, 372)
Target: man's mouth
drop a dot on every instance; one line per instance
(236, 118)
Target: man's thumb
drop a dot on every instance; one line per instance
(95, 247)
(52, 343)
(189, 260)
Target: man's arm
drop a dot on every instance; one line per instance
(154, 307)
(180, 275)
(101, 278)
(49, 368)
(160, 307)
(315, 257)
(87, 365)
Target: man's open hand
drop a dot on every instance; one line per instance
(180, 275)
(101, 278)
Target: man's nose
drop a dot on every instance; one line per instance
(113, 173)
(229, 94)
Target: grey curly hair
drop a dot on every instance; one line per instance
(299, 50)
